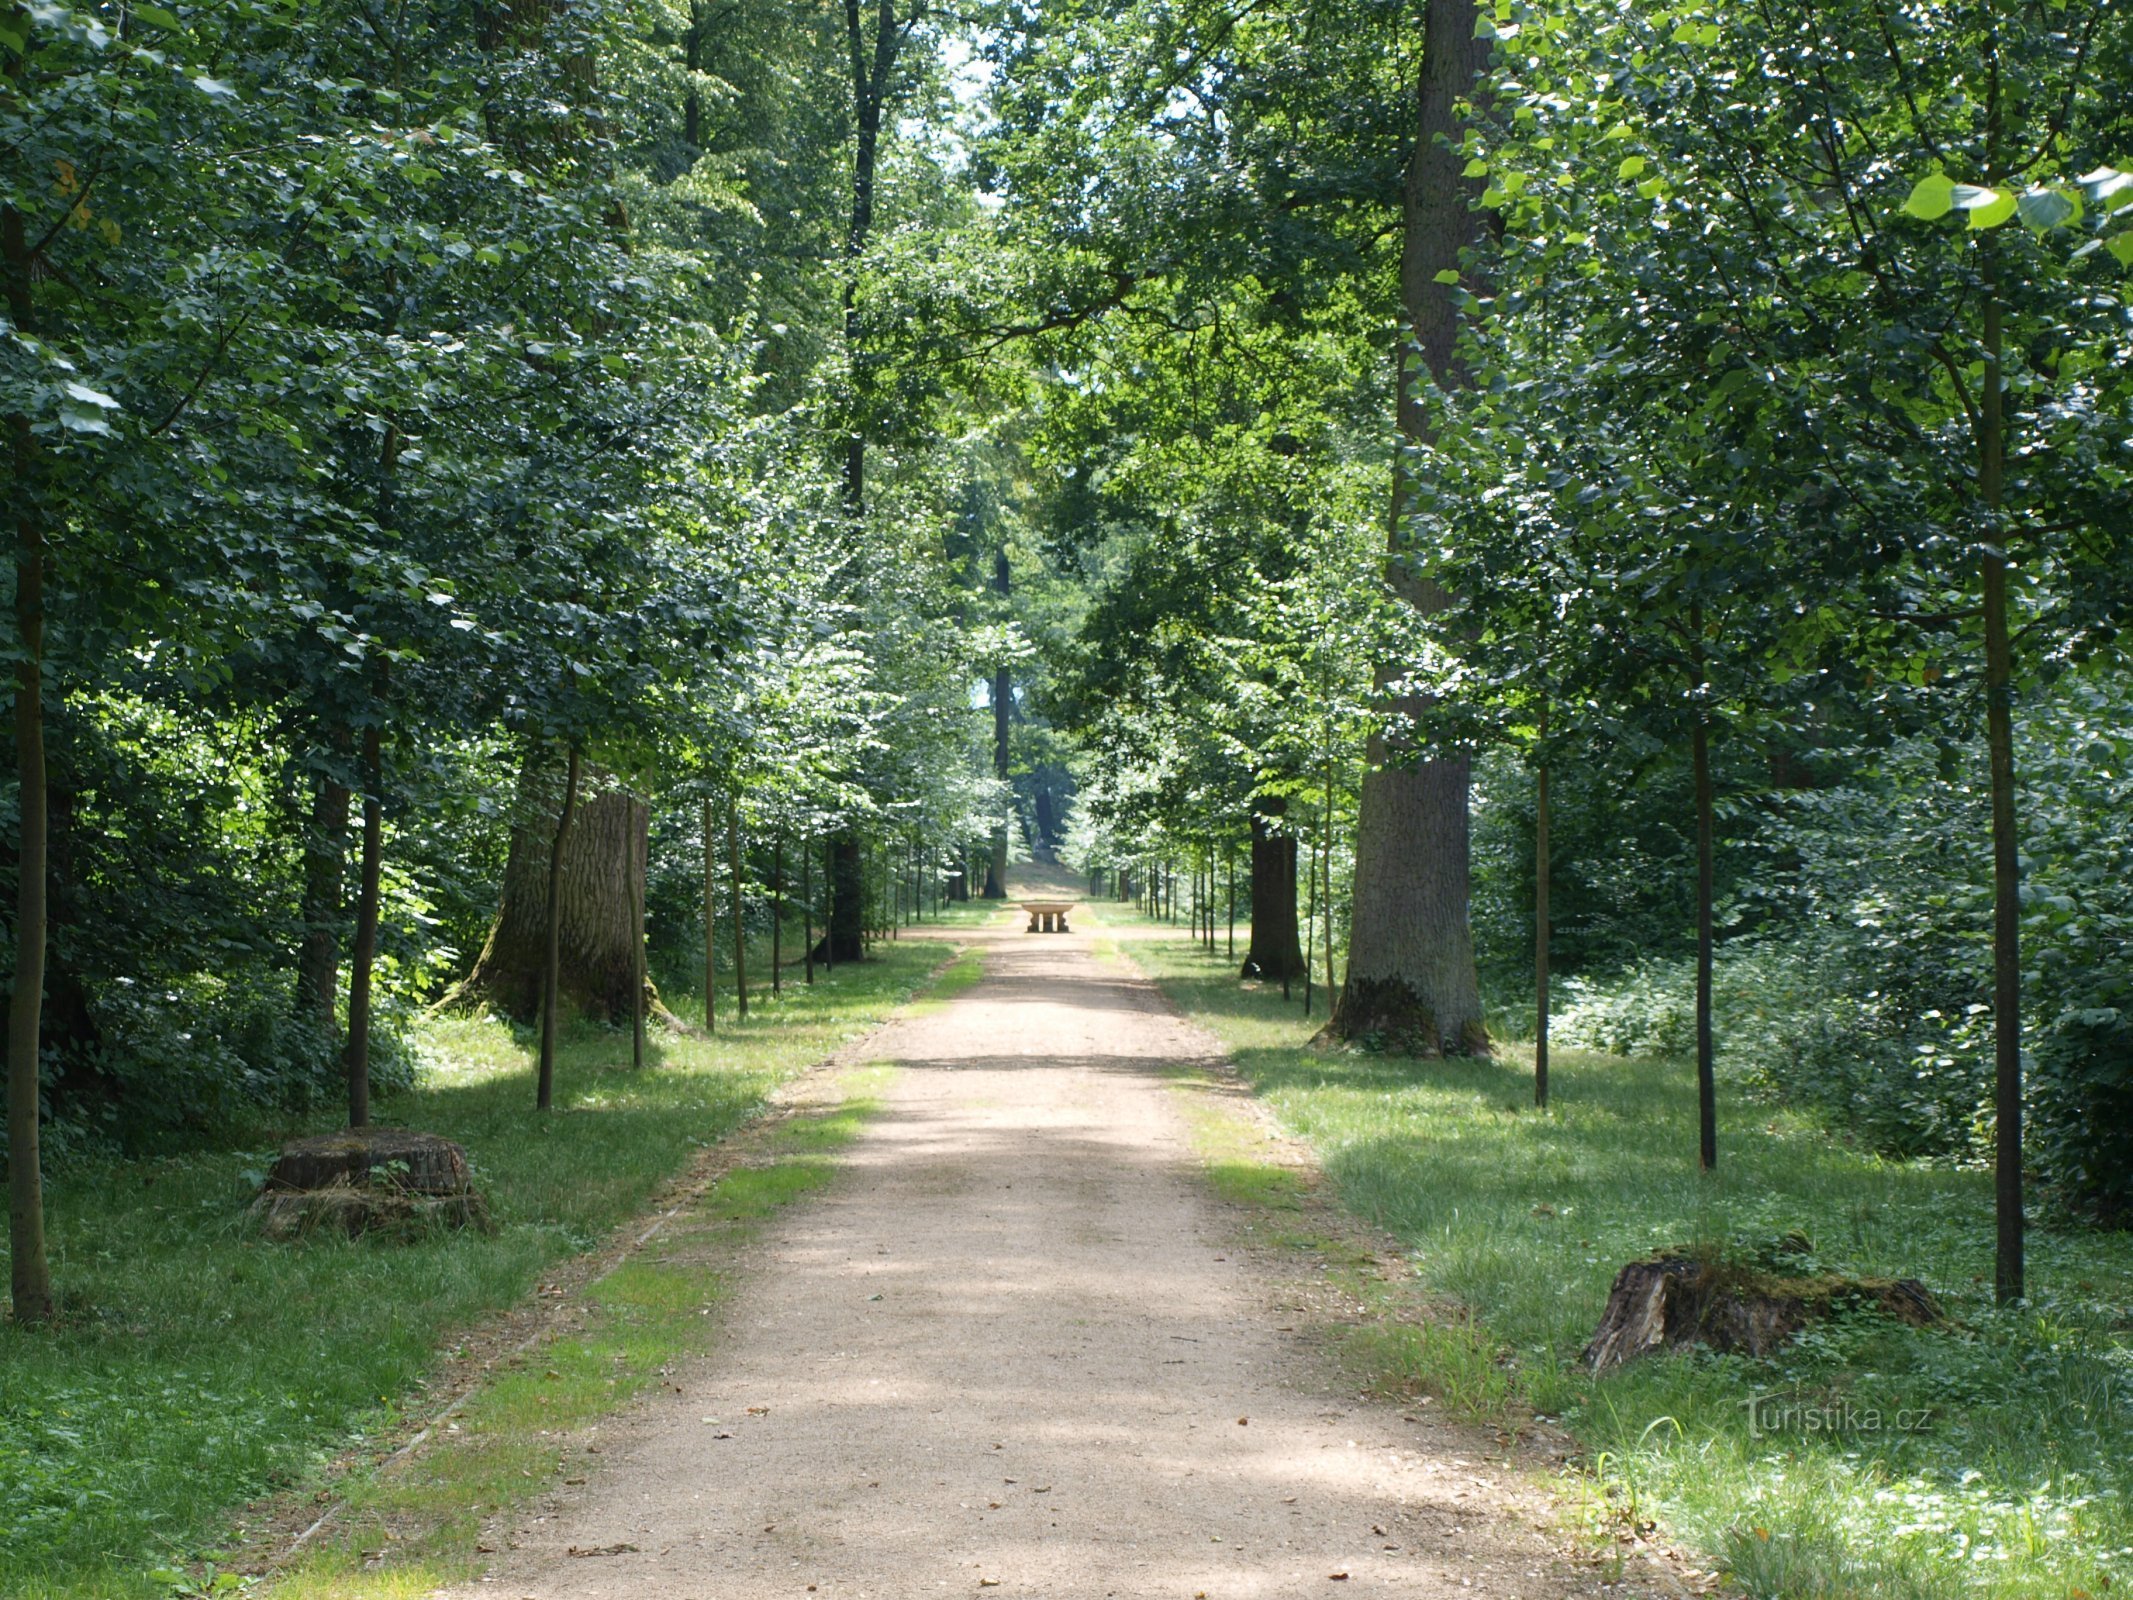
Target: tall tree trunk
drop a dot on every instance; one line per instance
(363, 959)
(30, 1272)
(552, 928)
(2007, 1265)
(740, 931)
(1540, 918)
(807, 901)
(710, 927)
(1706, 1052)
(1411, 976)
(318, 959)
(845, 936)
(1274, 950)
(599, 961)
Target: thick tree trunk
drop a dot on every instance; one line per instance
(638, 978)
(318, 959)
(29, 1271)
(1411, 978)
(598, 961)
(363, 959)
(1275, 951)
(846, 938)
(552, 924)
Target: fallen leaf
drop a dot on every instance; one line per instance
(601, 1550)
(1336, 1577)
(1243, 1422)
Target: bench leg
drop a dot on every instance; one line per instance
(1032, 928)
(1062, 928)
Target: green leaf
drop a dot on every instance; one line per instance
(1999, 209)
(1632, 166)
(1476, 168)
(88, 396)
(1620, 130)
(2046, 209)
(2121, 246)
(155, 16)
(1448, 275)
(1931, 197)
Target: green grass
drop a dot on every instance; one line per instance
(2020, 1482)
(195, 1367)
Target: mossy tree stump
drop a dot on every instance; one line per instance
(370, 1180)
(1683, 1297)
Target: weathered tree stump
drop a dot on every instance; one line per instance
(370, 1180)
(1677, 1298)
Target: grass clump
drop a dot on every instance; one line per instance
(195, 1367)
(1987, 1457)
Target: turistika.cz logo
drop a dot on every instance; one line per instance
(1772, 1414)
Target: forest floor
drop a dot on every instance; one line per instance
(1024, 1337)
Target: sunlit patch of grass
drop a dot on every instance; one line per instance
(2020, 1483)
(196, 1366)
(953, 981)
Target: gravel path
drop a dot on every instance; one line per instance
(1016, 1347)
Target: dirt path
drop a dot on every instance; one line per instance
(1016, 1346)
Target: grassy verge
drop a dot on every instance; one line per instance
(1994, 1457)
(404, 1532)
(195, 1367)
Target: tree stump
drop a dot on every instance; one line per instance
(1677, 1298)
(370, 1180)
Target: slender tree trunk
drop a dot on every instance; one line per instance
(1700, 750)
(1310, 925)
(740, 932)
(1229, 857)
(30, 1272)
(807, 902)
(552, 968)
(2009, 1246)
(363, 959)
(1411, 975)
(1540, 918)
(710, 925)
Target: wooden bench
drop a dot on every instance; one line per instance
(1048, 916)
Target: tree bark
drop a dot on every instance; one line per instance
(363, 959)
(1540, 919)
(845, 938)
(1411, 975)
(2009, 1244)
(635, 880)
(1274, 949)
(30, 1273)
(551, 924)
(598, 962)
(1706, 1071)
